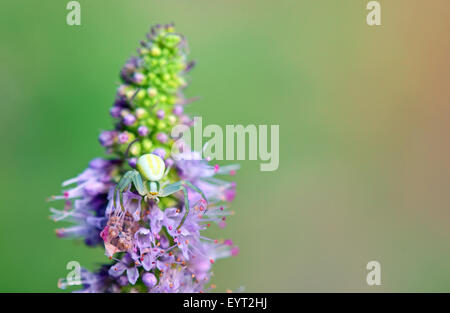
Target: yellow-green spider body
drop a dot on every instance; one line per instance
(151, 169)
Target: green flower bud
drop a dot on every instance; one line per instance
(155, 51)
(152, 92)
(146, 145)
(130, 94)
(147, 103)
(162, 98)
(143, 51)
(124, 112)
(141, 113)
(135, 149)
(166, 77)
(161, 125)
(141, 94)
(171, 40)
(171, 119)
(171, 100)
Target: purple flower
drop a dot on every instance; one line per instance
(132, 162)
(123, 138)
(129, 119)
(131, 204)
(174, 280)
(115, 111)
(162, 137)
(149, 280)
(127, 73)
(178, 110)
(196, 170)
(144, 238)
(186, 237)
(107, 138)
(125, 264)
(156, 218)
(200, 267)
(143, 131)
(138, 78)
(85, 202)
(160, 114)
(160, 152)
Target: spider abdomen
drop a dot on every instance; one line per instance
(151, 166)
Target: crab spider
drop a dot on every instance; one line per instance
(146, 179)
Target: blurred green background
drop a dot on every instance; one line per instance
(364, 122)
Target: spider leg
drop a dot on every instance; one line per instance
(142, 206)
(138, 183)
(181, 185)
(190, 185)
(170, 189)
(130, 177)
(124, 181)
(164, 184)
(167, 170)
(121, 185)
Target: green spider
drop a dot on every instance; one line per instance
(146, 179)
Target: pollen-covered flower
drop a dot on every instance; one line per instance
(144, 205)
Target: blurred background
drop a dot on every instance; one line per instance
(364, 121)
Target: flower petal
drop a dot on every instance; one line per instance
(117, 269)
(132, 274)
